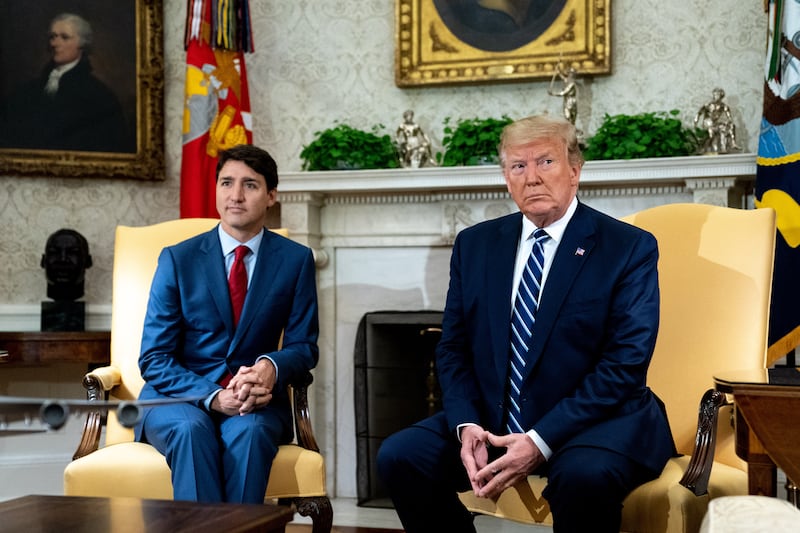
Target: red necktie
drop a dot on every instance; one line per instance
(237, 282)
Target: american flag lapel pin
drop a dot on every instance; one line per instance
(579, 251)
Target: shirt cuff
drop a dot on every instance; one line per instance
(274, 364)
(541, 444)
(207, 401)
(462, 426)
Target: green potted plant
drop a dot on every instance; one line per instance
(656, 134)
(343, 147)
(471, 141)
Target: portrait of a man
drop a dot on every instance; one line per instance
(498, 25)
(55, 95)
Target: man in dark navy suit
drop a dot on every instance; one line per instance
(585, 418)
(197, 343)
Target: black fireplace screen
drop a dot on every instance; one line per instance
(395, 385)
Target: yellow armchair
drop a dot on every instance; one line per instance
(133, 469)
(715, 275)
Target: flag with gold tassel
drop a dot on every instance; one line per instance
(778, 171)
(216, 112)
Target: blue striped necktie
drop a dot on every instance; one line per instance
(522, 321)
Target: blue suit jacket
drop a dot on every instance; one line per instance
(595, 331)
(189, 341)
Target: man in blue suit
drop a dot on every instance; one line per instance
(586, 419)
(195, 344)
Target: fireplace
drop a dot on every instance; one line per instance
(395, 385)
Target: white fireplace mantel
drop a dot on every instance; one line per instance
(382, 242)
(594, 174)
(326, 208)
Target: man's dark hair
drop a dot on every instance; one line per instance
(255, 158)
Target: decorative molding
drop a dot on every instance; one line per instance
(27, 317)
(348, 186)
(620, 192)
(711, 183)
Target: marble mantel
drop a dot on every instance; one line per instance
(382, 242)
(714, 179)
(595, 173)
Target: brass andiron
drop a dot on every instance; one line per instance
(434, 394)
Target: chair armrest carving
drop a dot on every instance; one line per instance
(105, 377)
(699, 469)
(302, 417)
(96, 383)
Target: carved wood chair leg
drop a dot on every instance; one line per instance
(320, 511)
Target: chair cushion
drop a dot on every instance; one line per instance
(664, 505)
(128, 469)
(661, 505)
(138, 470)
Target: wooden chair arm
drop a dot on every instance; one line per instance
(302, 417)
(105, 377)
(96, 383)
(698, 471)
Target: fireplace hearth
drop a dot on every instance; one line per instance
(395, 385)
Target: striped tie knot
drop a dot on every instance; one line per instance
(522, 321)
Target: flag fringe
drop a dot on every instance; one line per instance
(230, 27)
(777, 161)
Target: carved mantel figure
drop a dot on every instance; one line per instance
(569, 90)
(715, 117)
(413, 145)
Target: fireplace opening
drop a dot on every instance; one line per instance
(395, 385)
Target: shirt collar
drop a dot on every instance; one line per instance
(554, 230)
(229, 243)
(61, 69)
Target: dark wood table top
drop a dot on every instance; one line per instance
(34, 348)
(773, 380)
(767, 422)
(78, 514)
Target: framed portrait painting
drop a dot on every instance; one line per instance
(81, 90)
(443, 42)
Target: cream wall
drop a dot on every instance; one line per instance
(318, 61)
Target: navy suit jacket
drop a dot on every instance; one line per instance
(596, 326)
(189, 341)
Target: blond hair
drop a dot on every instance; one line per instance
(538, 127)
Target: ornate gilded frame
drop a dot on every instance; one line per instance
(429, 53)
(147, 162)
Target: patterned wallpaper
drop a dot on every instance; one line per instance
(321, 61)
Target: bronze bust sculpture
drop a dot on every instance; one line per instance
(65, 260)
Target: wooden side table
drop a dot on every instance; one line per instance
(121, 515)
(34, 348)
(767, 407)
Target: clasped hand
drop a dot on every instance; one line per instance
(490, 479)
(249, 389)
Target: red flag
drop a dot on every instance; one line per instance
(216, 113)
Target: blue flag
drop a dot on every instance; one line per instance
(778, 170)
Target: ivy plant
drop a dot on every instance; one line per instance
(343, 147)
(471, 141)
(656, 134)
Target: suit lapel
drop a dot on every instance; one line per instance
(573, 251)
(500, 273)
(268, 265)
(217, 281)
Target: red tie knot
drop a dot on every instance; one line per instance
(241, 252)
